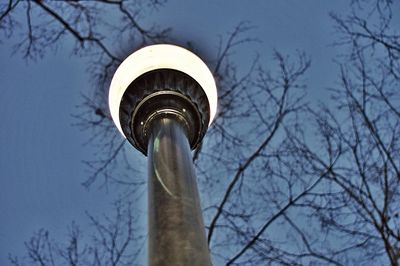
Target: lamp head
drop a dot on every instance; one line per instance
(162, 80)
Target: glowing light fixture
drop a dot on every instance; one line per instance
(162, 99)
(160, 56)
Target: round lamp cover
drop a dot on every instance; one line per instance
(160, 56)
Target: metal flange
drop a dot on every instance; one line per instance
(164, 93)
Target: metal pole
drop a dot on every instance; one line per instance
(176, 228)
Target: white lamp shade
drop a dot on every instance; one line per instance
(160, 56)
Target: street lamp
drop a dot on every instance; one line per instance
(162, 99)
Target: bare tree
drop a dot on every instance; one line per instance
(114, 241)
(271, 193)
(97, 38)
(362, 131)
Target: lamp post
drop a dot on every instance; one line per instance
(162, 99)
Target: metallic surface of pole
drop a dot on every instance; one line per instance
(176, 228)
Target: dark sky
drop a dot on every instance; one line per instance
(41, 153)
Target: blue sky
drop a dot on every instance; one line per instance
(41, 154)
